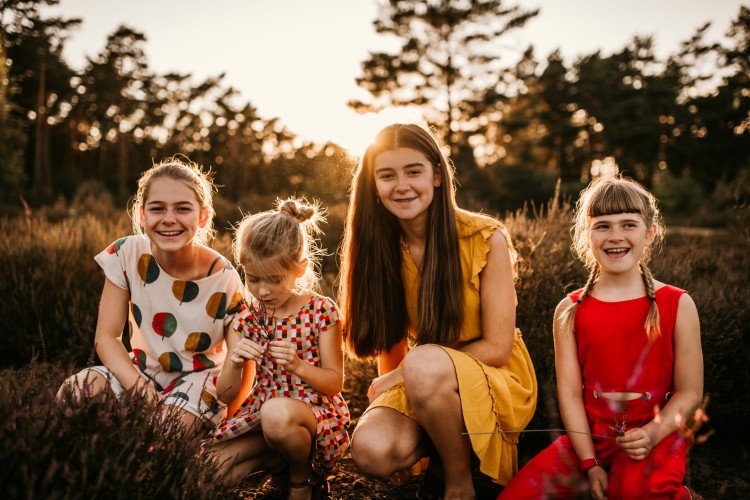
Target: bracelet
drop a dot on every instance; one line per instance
(589, 463)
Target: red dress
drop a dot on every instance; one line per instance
(615, 355)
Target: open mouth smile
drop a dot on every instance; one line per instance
(616, 252)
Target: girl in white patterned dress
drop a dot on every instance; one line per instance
(178, 293)
(295, 418)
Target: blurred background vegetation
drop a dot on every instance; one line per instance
(73, 140)
(73, 144)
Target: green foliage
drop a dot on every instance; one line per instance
(678, 193)
(100, 447)
(12, 140)
(502, 188)
(686, 202)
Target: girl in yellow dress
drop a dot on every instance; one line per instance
(428, 289)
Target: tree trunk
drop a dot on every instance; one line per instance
(122, 165)
(42, 182)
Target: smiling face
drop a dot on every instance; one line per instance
(405, 182)
(618, 241)
(171, 214)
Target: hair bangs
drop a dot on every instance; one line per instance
(618, 198)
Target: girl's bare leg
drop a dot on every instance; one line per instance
(191, 422)
(85, 383)
(244, 455)
(432, 386)
(386, 441)
(289, 428)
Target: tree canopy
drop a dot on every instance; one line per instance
(514, 123)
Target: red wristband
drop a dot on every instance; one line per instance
(589, 463)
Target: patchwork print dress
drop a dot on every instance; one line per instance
(272, 381)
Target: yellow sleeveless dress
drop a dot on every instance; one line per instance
(492, 399)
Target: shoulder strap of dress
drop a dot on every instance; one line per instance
(212, 265)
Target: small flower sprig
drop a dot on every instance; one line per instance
(619, 428)
(263, 322)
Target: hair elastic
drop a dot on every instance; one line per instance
(579, 301)
(652, 299)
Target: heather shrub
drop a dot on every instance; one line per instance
(99, 447)
(714, 267)
(50, 290)
(51, 285)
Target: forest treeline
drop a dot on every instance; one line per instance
(680, 124)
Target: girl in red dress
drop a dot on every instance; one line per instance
(628, 360)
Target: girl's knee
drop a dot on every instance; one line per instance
(376, 449)
(372, 456)
(276, 412)
(189, 421)
(279, 416)
(428, 370)
(85, 383)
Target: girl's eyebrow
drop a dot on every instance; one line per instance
(612, 221)
(408, 165)
(159, 202)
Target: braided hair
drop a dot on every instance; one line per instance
(609, 196)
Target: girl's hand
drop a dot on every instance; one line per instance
(636, 443)
(285, 354)
(598, 481)
(381, 384)
(149, 391)
(245, 349)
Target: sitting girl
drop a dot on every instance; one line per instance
(178, 293)
(628, 359)
(295, 417)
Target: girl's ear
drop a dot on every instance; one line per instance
(301, 268)
(650, 234)
(203, 220)
(141, 215)
(438, 177)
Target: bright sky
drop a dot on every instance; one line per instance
(298, 59)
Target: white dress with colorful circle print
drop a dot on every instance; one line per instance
(177, 337)
(273, 381)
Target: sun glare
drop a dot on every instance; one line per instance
(356, 131)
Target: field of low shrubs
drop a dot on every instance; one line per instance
(49, 293)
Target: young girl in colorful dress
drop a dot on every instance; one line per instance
(295, 417)
(628, 359)
(428, 289)
(177, 292)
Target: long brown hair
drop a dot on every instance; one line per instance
(371, 287)
(615, 195)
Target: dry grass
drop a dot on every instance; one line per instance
(51, 285)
